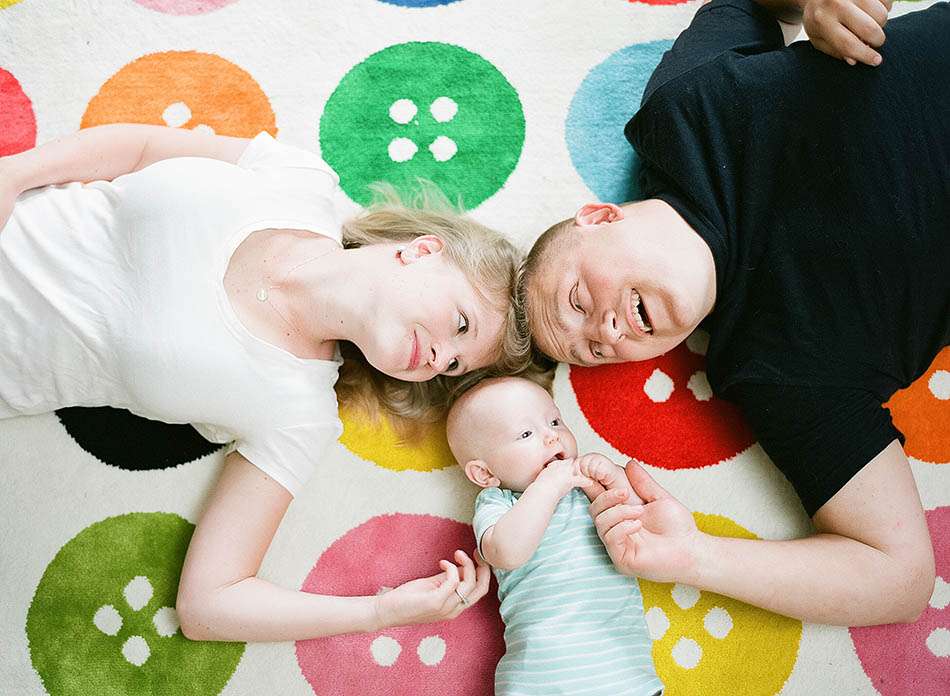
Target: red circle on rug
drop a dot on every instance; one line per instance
(458, 656)
(17, 121)
(662, 411)
(914, 658)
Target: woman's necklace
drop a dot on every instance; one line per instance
(263, 292)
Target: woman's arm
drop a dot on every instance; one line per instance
(871, 561)
(105, 152)
(220, 597)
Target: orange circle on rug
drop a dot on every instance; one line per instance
(184, 89)
(705, 643)
(377, 441)
(922, 412)
(662, 411)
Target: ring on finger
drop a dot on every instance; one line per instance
(462, 597)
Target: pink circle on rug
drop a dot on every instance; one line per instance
(457, 656)
(17, 121)
(184, 7)
(914, 658)
(662, 411)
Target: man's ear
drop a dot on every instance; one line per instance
(597, 214)
(479, 474)
(420, 247)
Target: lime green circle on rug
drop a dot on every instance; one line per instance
(423, 110)
(102, 620)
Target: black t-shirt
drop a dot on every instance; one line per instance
(823, 191)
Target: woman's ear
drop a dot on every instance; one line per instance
(478, 473)
(420, 247)
(597, 214)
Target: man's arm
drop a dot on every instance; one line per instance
(871, 561)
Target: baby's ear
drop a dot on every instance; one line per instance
(479, 474)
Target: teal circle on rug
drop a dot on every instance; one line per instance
(423, 110)
(102, 620)
(607, 98)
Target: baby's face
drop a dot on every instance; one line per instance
(516, 430)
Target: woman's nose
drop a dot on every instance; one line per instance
(440, 355)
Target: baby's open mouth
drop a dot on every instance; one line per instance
(557, 457)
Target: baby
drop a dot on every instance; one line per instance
(573, 624)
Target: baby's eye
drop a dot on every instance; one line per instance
(463, 324)
(525, 435)
(556, 422)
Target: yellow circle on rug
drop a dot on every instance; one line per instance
(184, 89)
(922, 412)
(4, 4)
(704, 643)
(377, 441)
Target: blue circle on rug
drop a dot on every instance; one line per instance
(607, 98)
(418, 3)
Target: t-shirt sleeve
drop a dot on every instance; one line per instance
(742, 26)
(290, 455)
(818, 437)
(490, 505)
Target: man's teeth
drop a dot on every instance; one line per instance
(637, 317)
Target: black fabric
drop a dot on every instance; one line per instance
(823, 191)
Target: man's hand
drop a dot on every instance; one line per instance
(656, 540)
(605, 475)
(847, 29)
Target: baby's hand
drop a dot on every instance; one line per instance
(561, 475)
(605, 475)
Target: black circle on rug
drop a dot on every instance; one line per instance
(121, 439)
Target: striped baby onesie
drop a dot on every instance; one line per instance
(573, 624)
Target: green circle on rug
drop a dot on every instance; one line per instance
(103, 622)
(423, 110)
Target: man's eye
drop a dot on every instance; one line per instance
(525, 435)
(463, 324)
(555, 423)
(573, 299)
(453, 365)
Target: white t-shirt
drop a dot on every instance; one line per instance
(111, 293)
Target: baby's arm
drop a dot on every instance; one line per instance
(604, 474)
(514, 538)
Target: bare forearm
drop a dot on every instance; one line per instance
(257, 610)
(516, 535)
(825, 578)
(100, 153)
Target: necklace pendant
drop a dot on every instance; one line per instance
(262, 295)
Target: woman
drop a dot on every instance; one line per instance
(205, 279)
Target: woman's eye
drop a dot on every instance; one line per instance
(463, 323)
(556, 422)
(595, 351)
(525, 435)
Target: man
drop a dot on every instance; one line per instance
(797, 207)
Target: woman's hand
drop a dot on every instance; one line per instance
(656, 540)
(847, 29)
(434, 598)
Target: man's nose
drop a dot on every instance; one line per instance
(608, 331)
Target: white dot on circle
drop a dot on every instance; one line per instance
(717, 622)
(686, 653)
(403, 111)
(657, 623)
(443, 109)
(402, 150)
(443, 149)
(138, 592)
(684, 596)
(166, 622)
(385, 651)
(658, 386)
(939, 384)
(136, 651)
(698, 342)
(941, 596)
(203, 128)
(938, 642)
(107, 620)
(176, 115)
(431, 650)
(699, 385)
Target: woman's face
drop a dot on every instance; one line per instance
(428, 319)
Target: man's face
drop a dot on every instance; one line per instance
(611, 292)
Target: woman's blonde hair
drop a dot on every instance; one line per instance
(488, 260)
